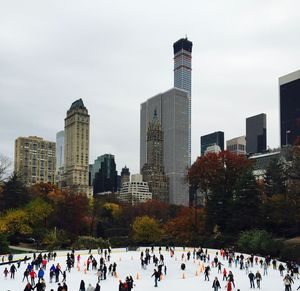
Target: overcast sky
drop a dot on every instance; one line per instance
(117, 54)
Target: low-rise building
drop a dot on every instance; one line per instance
(35, 160)
(135, 191)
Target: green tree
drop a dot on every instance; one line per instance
(146, 229)
(246, 205)
(14, 193)
(38, 211)
(275, 178)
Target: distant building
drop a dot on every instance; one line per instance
(213, 149)
(261, 161)
(183, 75)
(35, 160)
(104, 175)
(60, 136)
(289, 88)
(76, 150)
(237, 145)
(135, 191)
(153, 171)
(125, 175)
(215, 138)
(256, 133)
(172, 111)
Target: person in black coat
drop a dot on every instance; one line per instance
(82, 286)
(251, 278)
(97, 288)
(216, 284)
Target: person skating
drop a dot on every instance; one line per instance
(281, 269)
(288, 281)
(41, 274)
(229, 286)
(40, 286)
(13, 270)
(156, 275)
(258, 279)
(26, 274)
(90, 288)
(97, 288)
(32, 275)
(231, 278)
(129, 281)
(82, 286)
(28, 287)
(59, 288)
(64, 287)
(206, 272)
(216, 284)
(251, 278)
(5, 272)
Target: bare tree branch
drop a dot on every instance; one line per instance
(5, 163)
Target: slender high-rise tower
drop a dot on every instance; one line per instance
(183, 74)
(76, 152)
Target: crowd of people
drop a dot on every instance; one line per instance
(222, 262)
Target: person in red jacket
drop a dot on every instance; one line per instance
(32, 275)
(229, 286)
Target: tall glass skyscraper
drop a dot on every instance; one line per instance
(289, 89)
(172, 111)
(183, 73)
(256, 133)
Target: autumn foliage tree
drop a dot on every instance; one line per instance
(146, 230)
(221, 179)
(186, 226)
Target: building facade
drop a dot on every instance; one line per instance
(183, 75)
(215, 138)
(35, 160)
(153, 171)
(60, 146)
(256, 133)
(76, 149)
(125, 175)
(213, 149)
(60, 137)
(289, 90)
(237, 145)
(173, 113)
(135, 191)
(104, 175)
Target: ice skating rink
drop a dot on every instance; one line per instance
(128, 263)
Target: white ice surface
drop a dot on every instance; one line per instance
(128, 263)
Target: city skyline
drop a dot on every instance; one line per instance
(94, 52)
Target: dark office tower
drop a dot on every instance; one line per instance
(104, 174)
(289, 88)
(256, 133)
(183, 74)
(125, 175)
(208, 140)
(153, 171)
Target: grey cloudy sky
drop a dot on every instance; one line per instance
(116, 54)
